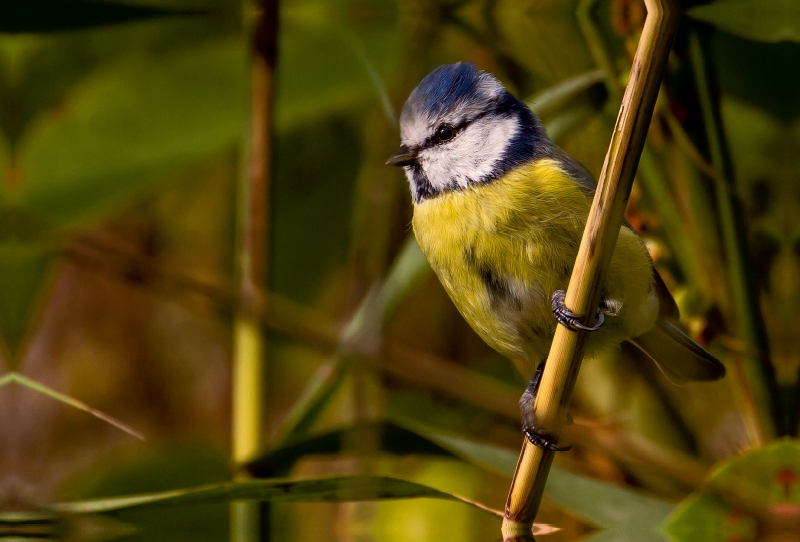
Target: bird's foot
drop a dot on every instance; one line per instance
(568, 318)
(543, 441)
(526, 410)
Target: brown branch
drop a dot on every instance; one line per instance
(104, 253)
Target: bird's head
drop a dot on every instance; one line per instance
(461, 127)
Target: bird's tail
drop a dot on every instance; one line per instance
(677, 355)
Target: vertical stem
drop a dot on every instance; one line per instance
(754, 379)
(248, 380)
(585, 15)
(594, 255)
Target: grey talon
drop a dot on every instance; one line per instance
(526, 403)
(543, 442)
(568, 318)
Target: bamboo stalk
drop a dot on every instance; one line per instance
(594, 255)
(248, 378)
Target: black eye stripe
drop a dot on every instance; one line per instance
(434, 140)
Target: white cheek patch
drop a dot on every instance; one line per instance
(471, 156)
(410, 177)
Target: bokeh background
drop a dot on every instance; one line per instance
(124, 136)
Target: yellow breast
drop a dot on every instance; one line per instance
(501, 249)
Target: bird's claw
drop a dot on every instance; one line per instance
(568, 318)
(526, 403)
(543, 442)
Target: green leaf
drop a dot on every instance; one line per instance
(755, 138)
(761, 20)
(489, 456)
(151, 467)
(549, 60)
(39, 71)
(606, 505)
(25, 382)
(128, 122)
(334, 489)
(392, 439)
(599, 503)
(769, 477)
(564, 91)
(358, 50)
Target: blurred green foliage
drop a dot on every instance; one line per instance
(122, 129)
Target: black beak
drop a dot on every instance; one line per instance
(402, 157)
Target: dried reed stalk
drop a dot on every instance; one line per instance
(594, 255)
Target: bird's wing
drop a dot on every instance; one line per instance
(677, 355)
(667, 308)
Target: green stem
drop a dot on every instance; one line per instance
(249, 347)
(16, 378)
(594, 41)
(755, 379)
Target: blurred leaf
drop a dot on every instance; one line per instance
(5, 149)
(625, 512)
(421, 520)
(572, 120)
(45, 526)
(22, 271)
(38, 70)
(755, 139)
(319, 390)
(621, 510)
(489, 456)
(16, 378)
(360, 44)
(758, 73)
(59, 15)
(409, 266)
(772, 478)
(553, 22)
(373, 313)
(313, 201)
(334, 489)
(564, 91)
(128, 122)
(154, 467)
(392, 439)
(763, 20)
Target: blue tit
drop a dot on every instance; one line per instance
(499, 212)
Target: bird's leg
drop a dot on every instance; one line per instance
(568, 318)
(526, 409)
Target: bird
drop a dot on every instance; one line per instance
(499, 211)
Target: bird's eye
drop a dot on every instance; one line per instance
(445, 132)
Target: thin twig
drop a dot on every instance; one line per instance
(16, 378)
